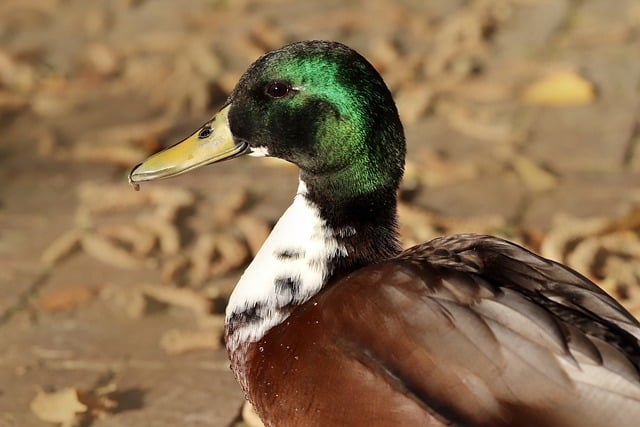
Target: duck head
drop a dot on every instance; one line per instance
(317, 104)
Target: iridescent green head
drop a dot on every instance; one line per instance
(317, 104)
(323, 107)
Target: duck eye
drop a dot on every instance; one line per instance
(277, 89)
(204, 132)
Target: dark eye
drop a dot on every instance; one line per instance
(277, 89)
(204, 132)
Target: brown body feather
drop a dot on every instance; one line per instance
(465, 330)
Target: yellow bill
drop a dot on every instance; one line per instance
(211, 143)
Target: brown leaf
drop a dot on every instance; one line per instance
(176, 341)
(232, 254)
(175, 269)
(200, 258)
(179, 297)
(65, 245)
(107, 251)
(68, 298)
(254, 230)
(167, 234)
(225, 211)
(479, 125)
(100, 198)
(98, 406)
(140, 240)
(413, 101)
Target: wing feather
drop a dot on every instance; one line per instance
(485, 332)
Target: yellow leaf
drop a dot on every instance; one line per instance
(58, 407)
(534, 176)
(559, 89)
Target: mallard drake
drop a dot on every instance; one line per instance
(332, 324)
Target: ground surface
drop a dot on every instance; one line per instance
(126, 304)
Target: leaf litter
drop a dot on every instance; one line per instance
(180, 73)
(145, 230)
(607, 250)
(447, 76)
(69, 407)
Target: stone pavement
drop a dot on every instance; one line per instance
(89, 88)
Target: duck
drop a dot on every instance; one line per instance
(334, 324)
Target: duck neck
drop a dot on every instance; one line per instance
(317, 238)
(362, 213)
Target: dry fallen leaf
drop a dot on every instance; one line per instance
(132, 301)
(443, 170)
(179, 297)
(10, 101)
(564, 234)
(167, 233)
(108, 251)
(533, 175)
(62, 247)
(200, 257)
(68, 298)
(479, 124)
(140, 240)
(100, 198)
(413, 101)
(418, 225)
(254, 230)
(232, 253)
(176, 341)
(174, 269)
(607, 250)
(97, 403)
(227, 209)
(559, 89)
(59, 407)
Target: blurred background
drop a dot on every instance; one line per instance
(522, 119)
